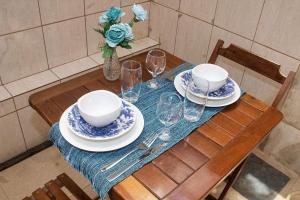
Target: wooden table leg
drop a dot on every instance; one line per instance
(231, 179)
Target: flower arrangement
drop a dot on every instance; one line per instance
(115, 32)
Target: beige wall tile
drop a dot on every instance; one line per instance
(21, 101)
(65, 41)
(235, 70)
(140, 45)
(259, 86)
(202, 9)
(291, 105)
(74, 67)
(240, 17)
(97, 57)
(93, 6)
(279, 26)
(174, 4)
(287, 63)
(140, 29)
(44, 166)
(6, 107)
(94, 39)
(283, 143)
(4, 95)
(22, 54)
(130, 2)
(162, 19)
(57, 10)
(30, 83)
(4, 197)
(35, 129)
(18, 15)
(12, 142)
(192, 39)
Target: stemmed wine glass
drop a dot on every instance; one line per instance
(155, 64)
(168, 112)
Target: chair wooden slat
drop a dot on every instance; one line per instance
(56, 191)
(40, 194)
(73, 187)
(256, 63)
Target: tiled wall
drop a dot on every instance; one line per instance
(41, 43)
(270, 28)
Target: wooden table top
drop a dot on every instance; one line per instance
(193, 167)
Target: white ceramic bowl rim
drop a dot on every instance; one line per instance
(99, 91)
(222, 73)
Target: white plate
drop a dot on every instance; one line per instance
(102, 146)
(210, 103)
(200, 95)
(121, 131)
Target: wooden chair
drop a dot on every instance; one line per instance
(53, 190)
(260, 65)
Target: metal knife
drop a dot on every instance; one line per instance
(127, 166)
(172, 73)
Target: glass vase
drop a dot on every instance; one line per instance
(112, 68)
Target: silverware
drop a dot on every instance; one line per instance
(170, 75)
(144, 145)
(127, 166)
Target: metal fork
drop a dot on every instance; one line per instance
(144, 145)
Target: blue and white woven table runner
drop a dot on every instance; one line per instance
(89, 163)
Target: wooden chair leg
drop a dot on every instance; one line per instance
(231, 180)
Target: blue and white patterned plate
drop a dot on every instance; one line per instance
(224, 92)
(120, 126)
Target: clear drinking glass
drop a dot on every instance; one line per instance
(193, 107)
(168, 112)
(131, 79)
(155, 64)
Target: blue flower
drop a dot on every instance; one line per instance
(117, 33)
(113, 14)
(139, 12)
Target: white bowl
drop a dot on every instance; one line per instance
(100, 107)
(214, 74)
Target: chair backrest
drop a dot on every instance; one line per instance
(254, 62)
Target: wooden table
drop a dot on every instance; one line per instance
(193, 167)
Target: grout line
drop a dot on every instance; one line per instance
(210, 38)
(19, 121)
(45, 49)
(177, 27)
(262, 8)
(85, 29)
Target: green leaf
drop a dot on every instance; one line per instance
(99, 31)
(107, 51)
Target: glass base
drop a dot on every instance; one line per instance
(165, 135)
(153, 84)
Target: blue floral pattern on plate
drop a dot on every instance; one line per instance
(121, 125)
(225, 91)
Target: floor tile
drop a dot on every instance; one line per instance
(20, 180)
